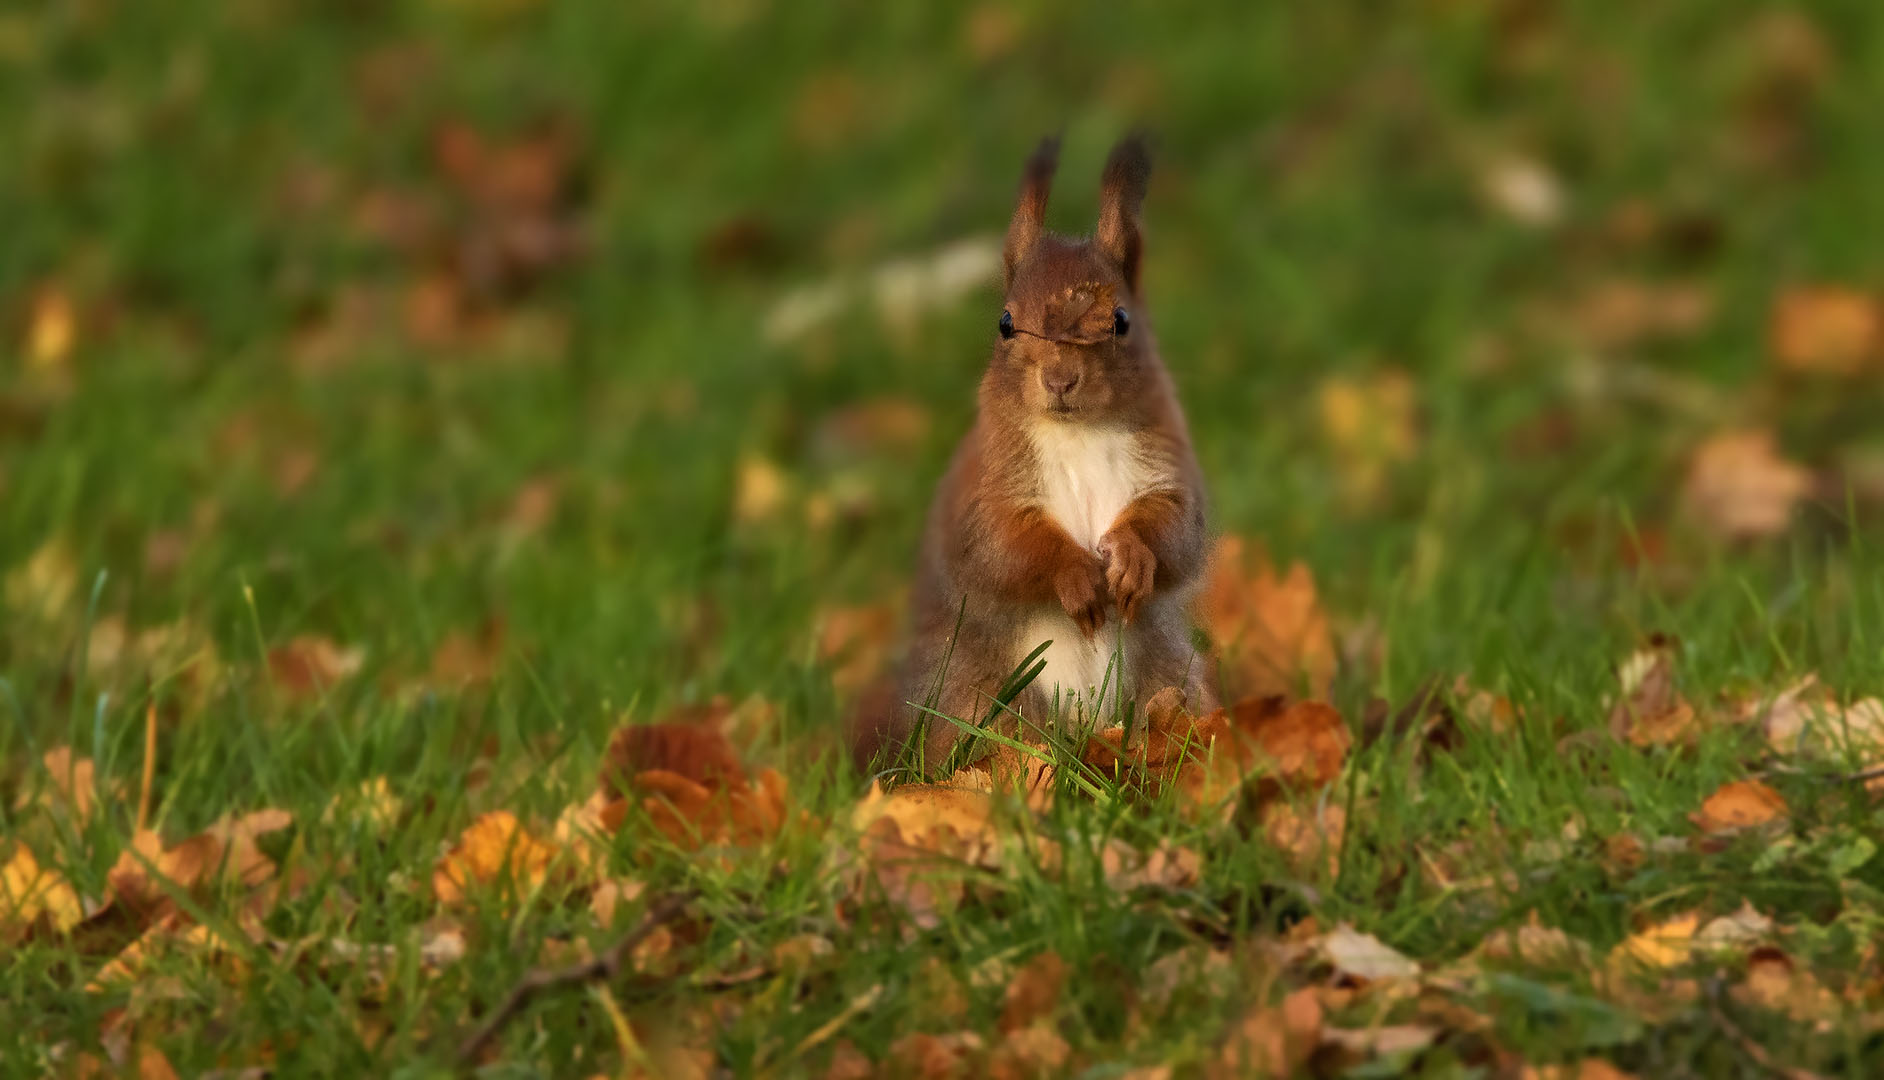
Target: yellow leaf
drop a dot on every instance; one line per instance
(1370, 425)
(495, 847)
(28, 890)
(372, 805)
(42, 588)
(760, 491)
(1664, 945)
(51, 330)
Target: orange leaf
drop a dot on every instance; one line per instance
(1739, 804)
(1035, 991)
(933, 1057)
(698, 753)
(1650, 711)
(1310, 837)
(1826, 329)
(494, 848)
(1272, 1040)
(1739, 488)
(1272, 633)
(309, 665)
(1303, 744)
(225, 852)
(856, 641)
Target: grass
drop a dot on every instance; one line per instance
(196, 180)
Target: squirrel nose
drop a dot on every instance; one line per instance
(1060, 383)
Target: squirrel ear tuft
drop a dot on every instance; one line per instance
(1121, 195)
(1030, 210)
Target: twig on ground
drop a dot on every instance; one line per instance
(1863, 775)
(605, 965)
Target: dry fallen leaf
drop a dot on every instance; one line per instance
(1167, 866)
(493, 849)
(760, 491)
(690, 782)
(1738, 805)
(1742, 929)
(465, 659)
(1271, 1040)
(1523, 189)
(934, 1057)
(1773, 982)
(1261, 748)
(610, 895)
(1534, 945)
(371, 805)
(1649, 711)
(1739, 488)
(29, 890)
(42, 587)
(1363, 956)
(1035, 991)
(226, 853)
(1621, 312)
(1311, 836)
(848, 1063)
(1302, 745)
(1035, 1050)
(1357, 1045)
(1587, 1069)
(918, 844)
(51, 329)
(1273, 637)
(698, 751)
(310, 665)
(1371, 425)
(1826, 329)
(72, 790)
(129, 967)
(1807, 719)
(1666, 944)
(856, 642)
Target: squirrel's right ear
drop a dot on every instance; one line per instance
(1030, 211)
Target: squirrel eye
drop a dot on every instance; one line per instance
(1121, 322)
(1007, 324)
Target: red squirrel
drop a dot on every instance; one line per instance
(1073, 511)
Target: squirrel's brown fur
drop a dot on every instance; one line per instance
(1074, 510)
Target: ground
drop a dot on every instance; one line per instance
(399, 400)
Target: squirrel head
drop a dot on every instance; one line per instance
(1072, 344)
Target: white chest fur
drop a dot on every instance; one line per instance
(1087, 477)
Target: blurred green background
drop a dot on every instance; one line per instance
(627, 340)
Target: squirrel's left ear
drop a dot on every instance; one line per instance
(1121, 195)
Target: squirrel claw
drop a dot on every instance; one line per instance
(1130, 570)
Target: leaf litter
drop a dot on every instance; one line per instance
(1269, 766)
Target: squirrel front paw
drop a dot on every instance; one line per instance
(1081, 586)
(1130, 567)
